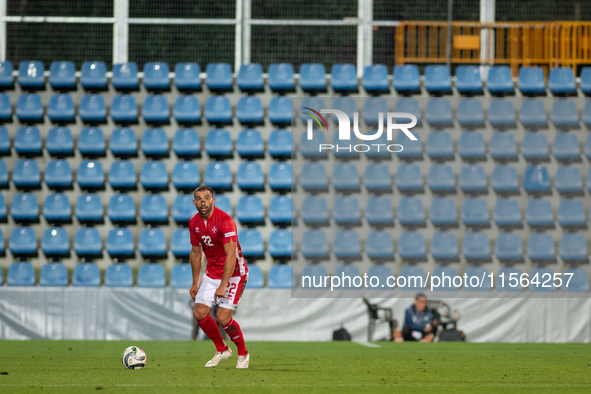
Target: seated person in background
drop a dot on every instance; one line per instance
(420, 322)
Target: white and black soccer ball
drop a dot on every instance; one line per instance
(134, 358)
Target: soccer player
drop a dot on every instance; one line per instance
(213, 231)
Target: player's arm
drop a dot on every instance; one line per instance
(229, 265)
(195, 260)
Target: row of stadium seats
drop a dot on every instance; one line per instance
(312, 78)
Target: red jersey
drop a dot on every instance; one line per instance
(212, 234)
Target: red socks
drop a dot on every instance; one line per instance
(210, 328)
(233, 330)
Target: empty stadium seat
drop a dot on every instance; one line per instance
(579, 281)
(118, 275)
(506, 212)
(89, 208)
(348, 271)
(314, 245)
(585, 83)
(504, 179)
(5, 108)
(180, 243)
(218, 176)
(62, 75)
(379, 246)
(6, 78)
(279, 143)
(474, 212)
(55, 242)
(316, 274)
(30, 75)
(119, 243)
(408, 178)
(313, 177)
(410, 275)
(154, 143)
(251, 243)
(4, 141)
(281, 211)
(249, 111)
(438, 112)
(20, 274)
(2, 250)
(26, 174)
(155, 110)
(219, 77)
(571, 213)
(501, 113)
(181, 276)
(250, 211)
(122, 175)
(250, 78)
(505, 282)
(412, 149)
(125, 76)
(121, 209)
(280, 277)
(532, 113)
(90, 174)
(60, 108)
(343, 78)
(480, 273)
(347, 245)
(411, 211)
(443, 212)
(279, 111)
(249, 177)
(406, 79)
(3, 174)
(377, 178)
(469, 113)
(566, 146)
(468, 80)
(314, 102)
(91, 142)
(53, 275)
(250, 144)
(151, 275)
(375, 79)
(531, 81)
(152, 243)
(473, 179)
(540, 246)
(372, 108)
(568, 179)
(93, 76)
(437, 79)
(573, 247)
(58, 174)
(186, 143)
(309, 148)
(561, 81)
(3, 208)
(279, 177)
(24, 207)
(536, 179)
(345, 178)
(186, 110)
(408, 105)
(439, 146)
(154, 175)
(279, 245)
(586, 113)
(379, 211)
(411, 246)
(124, 109)
(59, 142)
(443, 273)
(312, 77)
(156, 76)
(346, 211)
(185, 175)
(153, 209)
(444, 246)
(564, 114)
(29, 108)
(280, 78)
(218, 143)
(539, 213)
(314, 211)
(27, 141)
(534, 146)
(86, 275)
(476, 246)
(56, 208)
(223, 203)
(87, 242)
(186, 76)
(502, 146)
(441, 178)
(22, 241)
(255, 277)
(183, 208)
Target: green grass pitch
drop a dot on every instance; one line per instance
(312, 367)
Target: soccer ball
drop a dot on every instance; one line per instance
(133, 358)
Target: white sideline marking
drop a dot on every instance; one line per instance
(368, 344)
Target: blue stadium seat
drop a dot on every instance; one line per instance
(469, 113)
(566, 146)
(186, 76)
(474, 212)
(153, 175)
(3, 208)
(250, 78)
(86, 275)
(372, 107)
(561, 80)
(187, 110)
(27, 141)
(56, 208)
(443, 212)
(587, 179)
(250, 144)
(219, 77)
(585, 83)
(124, 109)
(343, 78)
(151, 275)
(249, 111)
(90, 174)
(540, 246)
(5, 108)
(183, 208)
(185, 175)
(249, 177)
(4, 141)
(181, 276)
(437, 79)
(476, 246)
(473, 179)
(313, 177)
(91, 141)
(24, 207)
(180, 243)
(280, 78)
(279, 245)
(502, 146)
(377, 178)
(444, 246)
(480, 273)
(443, 273)
(439, 146)
(471, 146)
(506, 212)
(346, 211)
(279, 143)
(152, 243)
(250, 210)
(3, 174)
(579, 281)
(571, 213)
(218, 110)
(2, 250)
(89, 208)
(507, 283)
(468, 80)
(279, 111)
(310, 148)
(155, 109)
(22, 241)
(93, 76)
(316, 103)
(20, 274)
(58, 174)
(408, 178)
(539, 213)
(154, 143)
(379, 246)
(314, 211)
(564, 114)
(379, 211)
(375, 79)
(251, 243)
(531, 81)
(501, 113)
(153, 209)
(30, 75)
(345, 178)
(121, 209)
(6, 78)
(316, 273)
(534, 146)
(411, 275)
(223, 203)
(438, 112)
(312, 77)
(87, 242)
(568, 179)
(314, 245)
(347, 245)
(186, 143)
(53, 275)
(532, 113)
(441, 178)
(411, 246)
(536, 179)
(156, 76)
(62, 76)
(122, 175)
(281, 210)
(573, 247)
(586, 113)
(279, 177)
(411, 211)
(125, 76)
(60, 108)
(59, 142)
(255, 277)
(55, 242)
(504, 179)
(346, 104)
(408, 105)
(120, 243)
(26, 174)
(218, 176)
(406, 79)
(412, 149)
(348, 271)
(29, 108)
(280, 277)
(118, 275)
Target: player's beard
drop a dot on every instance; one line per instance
(205, 211)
